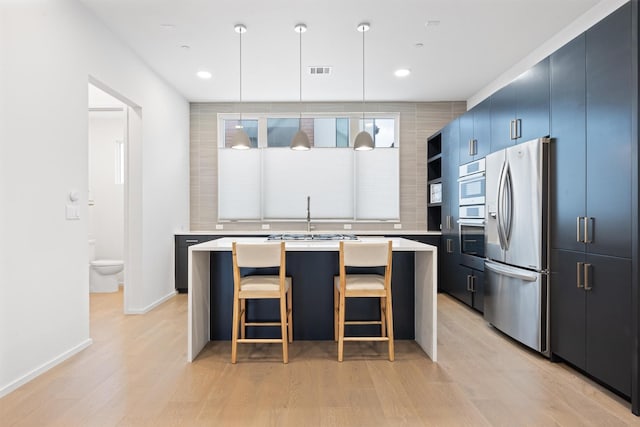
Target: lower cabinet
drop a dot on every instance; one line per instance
(182, 243)
(467, 285)
(591, 315)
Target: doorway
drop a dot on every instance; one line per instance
(114, 138)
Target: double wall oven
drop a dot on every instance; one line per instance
(471, 220)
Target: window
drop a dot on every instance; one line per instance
(272, 182)
(382, 131)
(249, 126)
(323, 132)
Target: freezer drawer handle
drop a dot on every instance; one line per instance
(510, 272)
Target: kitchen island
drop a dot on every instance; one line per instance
(210, 283)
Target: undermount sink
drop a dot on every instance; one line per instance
(304, 236)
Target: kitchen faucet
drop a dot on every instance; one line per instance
(308, 214)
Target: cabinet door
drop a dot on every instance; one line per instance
(608, 321)
(450, 149)
(609, 95)
(568, 147)
(466, 136)
(567, 306)
(532, 94)
(460, 287)
(478, 290)
(482, 128)
(503, 105)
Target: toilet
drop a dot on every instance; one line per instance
(103, 273)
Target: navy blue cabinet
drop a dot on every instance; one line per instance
(450, 242)
(591, 213)
(520, 110)
(475, 132)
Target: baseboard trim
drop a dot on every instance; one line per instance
(5, 390)
(153, 305)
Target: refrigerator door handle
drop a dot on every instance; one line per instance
(508, 189)
(499, 210)
(516, 273)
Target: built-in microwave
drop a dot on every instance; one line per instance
(471, 183)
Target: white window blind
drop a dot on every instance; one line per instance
(326, 175)
(239, 184)
(377, 184)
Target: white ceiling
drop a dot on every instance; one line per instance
(475, 42)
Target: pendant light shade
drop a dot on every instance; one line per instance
(363, 140)
(240, 139)
(300, 140)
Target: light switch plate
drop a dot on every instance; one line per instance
(347, 226)
(266, 226)
(219, 227)
(397, 226)
(72, 212)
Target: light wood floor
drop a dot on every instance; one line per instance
(136, 373)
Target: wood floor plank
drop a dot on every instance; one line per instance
(136, 374)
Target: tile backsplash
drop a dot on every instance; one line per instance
(418, 121)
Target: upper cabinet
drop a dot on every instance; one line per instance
(475, 132)
(520, 110)
(591, 105)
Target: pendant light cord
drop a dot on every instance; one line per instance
(240, 123)
(300, 82)
(363, 124)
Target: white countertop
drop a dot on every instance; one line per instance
(268, 232)
(399, 244)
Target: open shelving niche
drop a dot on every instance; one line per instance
(434, 182)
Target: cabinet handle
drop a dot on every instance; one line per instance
(472, 147)
(468, 283)
(518, 128)
(448, 222)
(511, 130)
(449, 248)
(578, 238)
(587, 220)
(473, 283)
(475, 147)
(587, 278)
(192, 241)
(579, 269)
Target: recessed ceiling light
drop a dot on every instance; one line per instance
(432, 23)
(185, 47)
(205, 75)
(419, 45)
(402, 72)
(167, 26)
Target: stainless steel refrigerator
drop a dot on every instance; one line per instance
(516, 238)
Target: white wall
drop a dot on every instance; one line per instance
(48, 50)
(106, 213)
(555, 42)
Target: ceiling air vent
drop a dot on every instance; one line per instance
(320, 71)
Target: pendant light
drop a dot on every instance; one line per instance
(300, 140)
(240, 139)
(363, 140)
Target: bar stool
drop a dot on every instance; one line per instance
(260, 255)
(364, 254)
